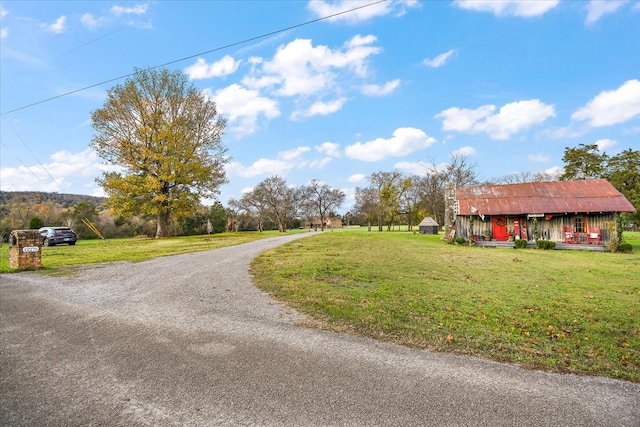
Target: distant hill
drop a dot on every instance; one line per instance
(41, 196)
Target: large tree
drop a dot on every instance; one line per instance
(321, 199)
(412, 202)
(280, 201)
(390, 188)
(459, 170)
(584, 162)
(366, 205)
(271, 199)
(165, 137)
(623, 171)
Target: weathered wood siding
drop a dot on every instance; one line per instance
(548, 229)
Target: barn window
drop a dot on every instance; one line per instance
(580, 225)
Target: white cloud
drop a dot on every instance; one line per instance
(613, 106)
(301, 69)
(571, 131)
(439, 60)
(321, 9)
(413, 168)
(139, 9)
(89, 21)
(201, 70)
(538, 158)
(596, 9)
(522, 8)
(86, 165)
(330, 149)
(554, 171)
(403, 142)
(57, 27)
(356, 178)
(464, 119)
(242, 107)
(4, 32)
(512, 118)
(320, 108)
(294, 154)
(320, 163)
(380, 90)
(605, 144)
(464, 151)
(633, 130)
(281, 165)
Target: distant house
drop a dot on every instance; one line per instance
(333, 222)
(561, 211)
(428, 226)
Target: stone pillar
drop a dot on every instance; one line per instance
(25, 249)
(449, 210)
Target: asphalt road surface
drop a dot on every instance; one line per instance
(188, 341)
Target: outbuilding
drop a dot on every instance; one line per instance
(428, 226)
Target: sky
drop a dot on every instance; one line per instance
(393, 85)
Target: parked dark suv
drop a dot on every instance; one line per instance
(55, 235)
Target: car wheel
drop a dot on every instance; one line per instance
(47, 242)
(72, 243)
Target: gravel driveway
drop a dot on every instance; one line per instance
(187, 340)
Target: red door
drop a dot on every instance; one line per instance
(499, 227)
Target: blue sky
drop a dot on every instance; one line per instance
(397, 85)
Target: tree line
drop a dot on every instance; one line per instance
(164, 139)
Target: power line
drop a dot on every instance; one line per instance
(34, 156)
(94, 40)
(23, 163)
(197, 54)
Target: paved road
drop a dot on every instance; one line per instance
(187, 341)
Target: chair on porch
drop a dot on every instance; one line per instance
(594, 235)
(568, 234)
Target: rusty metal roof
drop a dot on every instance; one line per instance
(584, 196)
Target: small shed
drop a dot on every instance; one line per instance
(428, 226)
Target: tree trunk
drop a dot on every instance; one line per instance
(163, 227)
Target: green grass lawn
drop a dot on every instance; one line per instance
(133, 249)
(566, 311)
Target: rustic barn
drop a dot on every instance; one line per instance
(562, 211)
(428, 226)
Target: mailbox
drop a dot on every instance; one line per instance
(25, 249)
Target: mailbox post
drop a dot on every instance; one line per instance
(25, 249)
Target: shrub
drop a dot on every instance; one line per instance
(521, 243)
(625, 248)
(545, 244)
(461, 240)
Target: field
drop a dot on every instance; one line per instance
(564, 311)
(133, 250)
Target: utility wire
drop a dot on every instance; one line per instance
(23, 164)
(94, 40)
(313, 21)
(34, 156)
